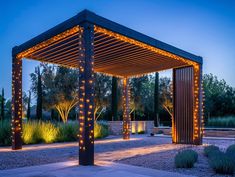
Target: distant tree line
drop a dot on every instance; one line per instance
(219, 97)
(55, 90)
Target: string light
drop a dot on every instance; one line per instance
(16, 103)
(26, 53)
(86, 91)
(126, 111)
(87, 103)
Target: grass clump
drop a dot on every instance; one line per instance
(30, 133)
(141, 132)
(68, 132)
(48, 132)
(231, 149)
(186, 159)
(5, 132)
(38, 132)
(34, 132)
(222, 163)
(208, 150)
(100, 130)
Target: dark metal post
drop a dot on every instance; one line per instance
(86, 95)
(126, 109)
(16, 102)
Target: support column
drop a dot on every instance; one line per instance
(187, 102)
(86, 95)
(16, 102)
(126, 109)
(198, 105)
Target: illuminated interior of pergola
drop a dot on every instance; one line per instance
(95, 44)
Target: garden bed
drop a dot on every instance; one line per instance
(165, 161)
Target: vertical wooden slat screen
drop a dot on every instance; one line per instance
(183, 84)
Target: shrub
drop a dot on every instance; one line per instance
(141, 132)
(228, 121)
(68, 132)
(48, 132)
(222, 163)
(5, 132)
(231, 152)
(100, 130)
(208, 150)
(186, 159)
(38, 131)
(30, 133)
(231, 149)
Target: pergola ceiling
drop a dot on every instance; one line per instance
(114, 53)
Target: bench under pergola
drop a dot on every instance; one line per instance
(95, 44)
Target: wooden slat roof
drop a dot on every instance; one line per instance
(118, 50)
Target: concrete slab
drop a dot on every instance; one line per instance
(101, 169)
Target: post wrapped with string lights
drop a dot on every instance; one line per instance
(86, 95)
(126, 109)
(198, 116)
(16, 123)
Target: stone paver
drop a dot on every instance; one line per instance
(101, 169)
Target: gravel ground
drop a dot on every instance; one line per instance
(165, 160)
(150, 152)
(59, 152)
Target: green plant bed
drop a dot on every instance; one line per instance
(222, 122)
(34, 132)
(67, 132)
(186, 159)
(5, 132)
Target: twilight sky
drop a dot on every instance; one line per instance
(202, 27)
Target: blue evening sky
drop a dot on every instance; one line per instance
(202, 27)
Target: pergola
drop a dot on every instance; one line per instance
(95, 44)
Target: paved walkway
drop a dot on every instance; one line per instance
(107, 152)
(101, 169)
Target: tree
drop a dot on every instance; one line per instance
(165, 91)
(37, 89)
(147, 97)
(102, 94)
(219, 97)
(114, 98)
(2, 105)
(60, 89)
(156, 100)
(29, 108)
(136, 105)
